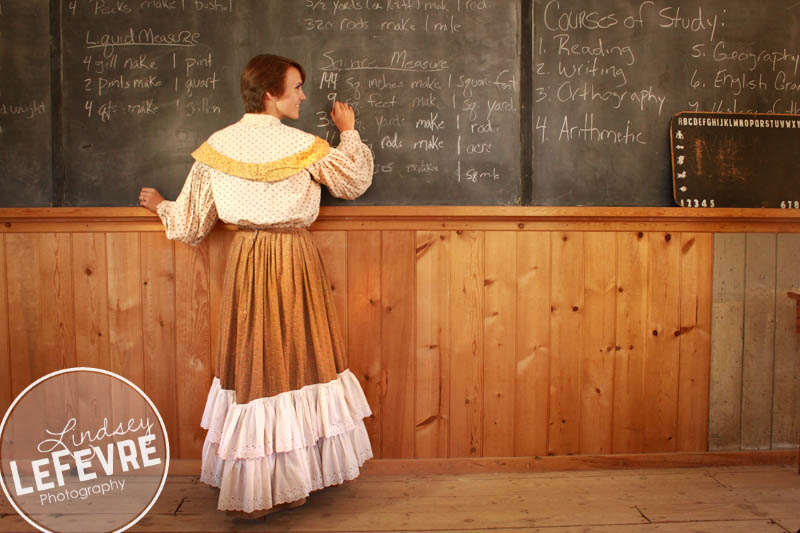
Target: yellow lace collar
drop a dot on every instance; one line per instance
(269, 171)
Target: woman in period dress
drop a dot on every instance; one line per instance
(284, 414)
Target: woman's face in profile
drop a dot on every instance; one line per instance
(288, 104)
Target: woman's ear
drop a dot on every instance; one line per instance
(268, 101)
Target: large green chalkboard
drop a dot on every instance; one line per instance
(464, 102)
(435, 85)
(609, 76)
(25, 104)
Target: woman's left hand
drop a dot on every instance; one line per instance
(149, 198)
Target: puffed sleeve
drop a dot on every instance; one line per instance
(347, 169)
(190, 218)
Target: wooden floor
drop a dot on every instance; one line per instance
(722, 499)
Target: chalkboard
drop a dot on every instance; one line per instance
(464, 102)
(608, 76)
(25, 108)
(735, 160)
(435, 85)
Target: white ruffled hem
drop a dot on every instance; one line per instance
(278, 449)
(285, 422)
(252, 484)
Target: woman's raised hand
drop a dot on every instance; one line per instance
(149, 198)
(343, 116)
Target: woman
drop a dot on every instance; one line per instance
(284, 414)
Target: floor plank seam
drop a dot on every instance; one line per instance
(715, 520)
(643, 515)
(720, 483)
(175, 512)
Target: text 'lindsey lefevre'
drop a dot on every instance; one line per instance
(133, 453)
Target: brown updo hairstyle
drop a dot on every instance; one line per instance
(265, 73)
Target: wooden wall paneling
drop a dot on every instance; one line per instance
(218, 245)
(5, 353)
(432, 333)
(697, 256)
(57, 299)
(397, 342)
(41, 326)
(158, 324)
(24, 324)
(364, 323)
(125, 330)
(91, 300)
(193, 344)
(57, 322)
(633, 265)
(786, 398)
(91, 328)
(532, 380)
(566, 342)
(499, 342)
(599, 342)
(759, 340)
(662, 352)
(727, 332)
(466, 342)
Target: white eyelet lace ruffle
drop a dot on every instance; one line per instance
(278, 449)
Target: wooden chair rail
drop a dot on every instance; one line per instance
(506, 218)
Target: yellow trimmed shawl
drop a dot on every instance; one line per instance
(271, 171)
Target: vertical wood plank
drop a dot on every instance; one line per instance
(158, 324)
(727, 332)
(364, 322)
(91, 300)
(41, 328)
(218, 244)
(5, 352)
(566, 342)
(332, 247)
(193, 349)
(532, 394)
(26, 338)
(631, 323)
(397, 343)
(759, 340)
(697, 256)
(90, 284)
(432, 368)
(663, 325)
(786, 399)
(599, 342)
(500, 340)
(56, 300)
(466, 340)
(125, 330)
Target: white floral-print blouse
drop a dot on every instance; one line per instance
(259, 173)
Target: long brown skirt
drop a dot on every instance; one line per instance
(284, 414)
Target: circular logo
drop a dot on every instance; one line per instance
(83, 449)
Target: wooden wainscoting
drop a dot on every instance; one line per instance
(485, 332)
